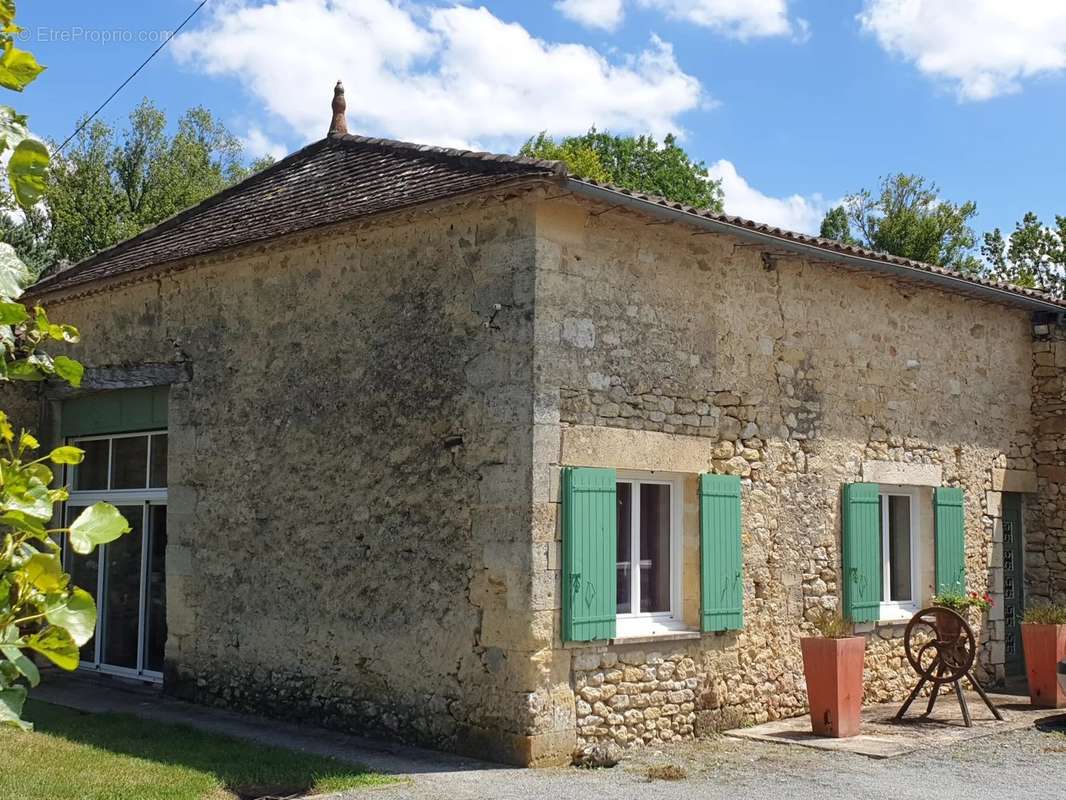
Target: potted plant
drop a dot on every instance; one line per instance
(1044, 645)
(961, 603)
(833, 667)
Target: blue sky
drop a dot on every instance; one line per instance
(794, 102)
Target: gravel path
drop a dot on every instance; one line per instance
(1028, 764)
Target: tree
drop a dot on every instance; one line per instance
(109, 187)
(41, 612)
(907, 218)
(1033, 256)
(639, 163)
(836, 226)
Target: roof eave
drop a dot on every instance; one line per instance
(951, 282)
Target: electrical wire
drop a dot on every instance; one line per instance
(144, 64)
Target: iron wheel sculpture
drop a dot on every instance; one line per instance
(941, 647)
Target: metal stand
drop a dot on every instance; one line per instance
(941, 647)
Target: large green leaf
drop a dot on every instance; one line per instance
(18, 69)
(27, 171)
(23, 522)
(67, 455)
(13, 273)
(13, 313)
(22, 663)
(12, 700)
(44, 572)
(76, 613)
(98, 524)
(57, 645)
(32, 500)
(69, 370)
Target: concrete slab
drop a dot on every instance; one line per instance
(882, 737)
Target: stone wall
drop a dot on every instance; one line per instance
(1045, 551)
(349, 472)
(660, 349)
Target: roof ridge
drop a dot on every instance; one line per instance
(556, 167)
(819, 241)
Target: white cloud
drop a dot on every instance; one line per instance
(741, 19)
(451, 76)
(796, 212)
(983, 48)
(257, 144)
(605, 14)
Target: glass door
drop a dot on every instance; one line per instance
(126, 577)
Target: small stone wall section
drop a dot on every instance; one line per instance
(1045, 539)
(635, 697)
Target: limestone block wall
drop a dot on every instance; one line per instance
(1045, 543)
(658, 348)
(350, 472)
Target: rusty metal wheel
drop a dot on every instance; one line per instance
(940, 645)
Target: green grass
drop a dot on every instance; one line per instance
(78, 756)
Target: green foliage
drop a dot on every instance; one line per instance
(1033, 256)
(41, 613)
(639, 163)
(836, 226)
(1045, 614)
(961, 601)
(907, 218)
(108, 186)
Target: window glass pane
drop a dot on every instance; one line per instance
(155, 637)
(91, 473)
(625, 546)
(654, 548)
(899, 548)
(122, 592)
(83, 574)
(129, 463)
(158, 471)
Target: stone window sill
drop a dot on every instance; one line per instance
(666, 636)
(870, 627)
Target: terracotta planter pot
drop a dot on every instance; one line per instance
(833, 668)
(1045, 647)
(948, 625)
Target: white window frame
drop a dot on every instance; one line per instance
(636, 624)
(896, 610)
(146, 499)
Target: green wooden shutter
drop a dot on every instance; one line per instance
(950, 540)
(862, 552)
(721, 559)
(590, 554)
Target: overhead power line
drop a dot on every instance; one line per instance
(133, 75)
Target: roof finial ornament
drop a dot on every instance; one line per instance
(339, 125)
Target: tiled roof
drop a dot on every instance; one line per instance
(333, 180)
(345, 177)
(818, 242)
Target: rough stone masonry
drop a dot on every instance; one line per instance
(365, 460)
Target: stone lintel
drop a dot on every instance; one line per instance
(142, 376)
(621, 448)
(1013, 480)
(900, 474)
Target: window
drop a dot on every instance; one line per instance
(900, 590)
(649, 545)
(125, 577)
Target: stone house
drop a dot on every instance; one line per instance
(460, 449)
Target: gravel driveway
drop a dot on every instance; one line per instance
(1028, 764)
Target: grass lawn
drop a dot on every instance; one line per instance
(77, 756)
